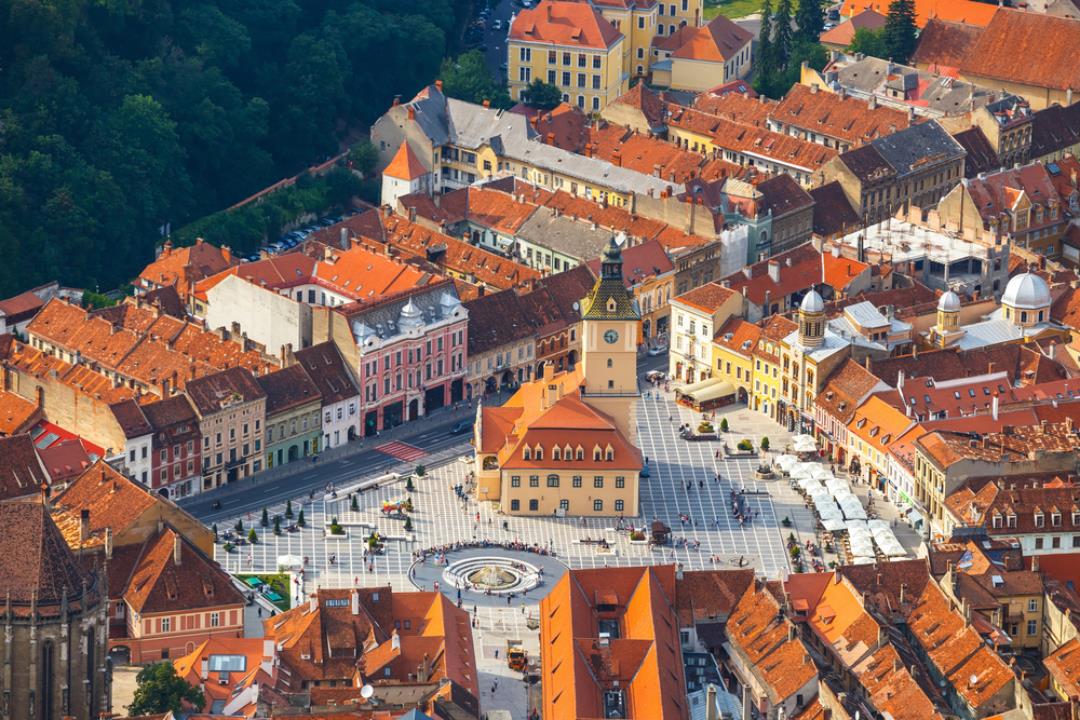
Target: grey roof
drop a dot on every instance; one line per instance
(471, 126)
(383, 319)
(939, 95)
(904, 149)
(575, 238)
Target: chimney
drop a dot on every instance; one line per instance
(678, 571)
(903, 592)
(108, 543)
(994, 407)
(204, 669)
(84, 525)
(177, 545)
(710, 703)
(41, 397)
(354, 601)
(395, 640)
(774, 271)
(343, 240)
(412, 113)
(900, 379)
(486, 103)
(791, 632)
(1035, 563)
(438, 85)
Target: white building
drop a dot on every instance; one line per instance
(340, 394)
(695, 318)
(404, 175)
(134, 459)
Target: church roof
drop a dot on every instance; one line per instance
(609, 298)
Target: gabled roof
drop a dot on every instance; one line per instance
(186, 265)
(1064, 667)
(212, 393)
(833, 214)
(17, 415)
(962, 11)
(844, 33)
(846, 117)
(718, 41)
(649, 102)
(113, 501)
(981, 156)
(287, 389)
(1048, 45)
(329, 371)
(569, 24)
(405, 164)
(21, 472)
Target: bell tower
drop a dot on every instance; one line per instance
(609, 327)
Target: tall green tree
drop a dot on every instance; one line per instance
(810, 17)
(466, 77)
(160, 690)
(782, 36)
(541, 95)
(869, 42)
(900, 30)
(766, 63)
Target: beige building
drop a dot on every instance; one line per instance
(564, 445)
(232, 410)
(695, 318)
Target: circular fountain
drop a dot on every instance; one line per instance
(492, 575)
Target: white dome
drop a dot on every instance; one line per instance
(949, 302)
(812, 303)
(411, 316)
(1026, 291)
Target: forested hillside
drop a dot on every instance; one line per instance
(117, 116)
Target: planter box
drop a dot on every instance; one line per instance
(640, 542)
(344, 535)
(694, 437)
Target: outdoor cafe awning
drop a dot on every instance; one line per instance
(706, 390)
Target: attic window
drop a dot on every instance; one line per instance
(1040, 519)
(996, 521)
(526, 453)
(1010, 520)
(580, 454)
(1055, 519)
(556, 454)
(611, 304)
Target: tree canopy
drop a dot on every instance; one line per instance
(542, 95)
(900, 30)
(869, 42)
(467, 78)
(159, 690)
(782, 49)
(119, 118)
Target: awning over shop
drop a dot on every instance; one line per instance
(706, 390)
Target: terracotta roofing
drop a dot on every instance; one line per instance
(16, 413)
(214, 393)
(1011, 444)
(497, 320)
(708, 297)
(975, 505)
(737, 107)
(65, 460)
(1048, 45)
(189, 667)
(846, 389)
(846, 117)
(495, 208)
(21, 472)
(758, 631)
(170, 411)
(797, 269)
(186, 265)
(94, 386)
(643, 659)
(158, 583)
(833, 214)
(20, 307)
(736, 137)
(1024, 365)
(36, 566)
(1000, 192)
(782, 195)
(112, 500)
(717, 41)
(131, 419)
(738, 335)
(1055, 128)
(405, 165)
(288, 389)
(648, 101)
(981, 156)
(329, 371)
(1064, 667)
(844, 33)
(569, 24)
(652, 156)
(709, 595)
(962, 11)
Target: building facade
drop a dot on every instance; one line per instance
(231, 407)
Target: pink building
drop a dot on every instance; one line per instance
(408, 351)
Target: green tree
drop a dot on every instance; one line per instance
(354, 505)
(810, 18)
(764, 444)
(782, 35)
(239, 526)
(723, 425)
(541, 95)
(265, 518)
(900, 30)
(869, 42)
(159, 690)
(300, 521)
(288, 509)
(766, 63)
(277, 524)
(466, 77)
(253, 537)
(363, 156)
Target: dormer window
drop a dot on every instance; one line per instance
(526, 453)
(1040, 519)
(1055, 519)
(611, 305)
(610, 455)
(580, 453)
(995, 521)
(596, 454)
(1010, 520)
(556, 453)
(539, 452)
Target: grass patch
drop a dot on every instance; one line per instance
(278, 582)
(731, 8)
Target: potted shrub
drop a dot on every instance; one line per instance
(745, 445)
(764, 444)
(723, 425)
(353, 504)
(288, 509)
(705, 428)
(300, 521)
(265, 521)
(228, 547)
(637, 535)
(421, 471)
(239, 526)
(409, 484)
(335, 527)
(786, 522)
(277, 524)
(253, 537)
(408, 524)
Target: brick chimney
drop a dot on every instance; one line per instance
(84, 525)
(438, 85)
(176, 548)
(412, 112)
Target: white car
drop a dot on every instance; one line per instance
(658, 350)
(497, 25)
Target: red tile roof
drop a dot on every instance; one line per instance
(841, 116)
(708, 297)
(844, 33)
(568, 24)
(405, 165)
(717, 41)
(183, 266)
(17, 415)
(965, 11)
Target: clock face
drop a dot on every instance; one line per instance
(610, 337)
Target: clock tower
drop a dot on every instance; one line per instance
(610, 322)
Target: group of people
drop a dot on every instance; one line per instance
(439, 552)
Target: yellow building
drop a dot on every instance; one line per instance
(637, 21)
(767, 398)
(569, 45)
(564, 445)
(733, 355)
(700, 58)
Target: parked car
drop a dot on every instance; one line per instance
(497, 25)
(658, 350)
(461, 427)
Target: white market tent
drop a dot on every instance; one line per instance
(885, 539)
(786, 462)
(803, 444)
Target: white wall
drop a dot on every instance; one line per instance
(266, 316)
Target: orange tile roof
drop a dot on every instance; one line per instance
(17, 415)
(363, 274)
(965, 11)
(798, 269)
(736, 107)
(1064, 667)
(760, 634)
(718, 41)
(570, 24)
(115, 502)
(186, 265)
(92, 385)
(644, 660)
(405, 165)
(845, 389)
(877, 423)
(844, 33)
(842, 116)
(707, 298)
(189, 667)
(744, 335)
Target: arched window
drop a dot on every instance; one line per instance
(610, 455)
(580, 455)
(610, 362)
(526, 453)
(556, 453)
(539, 452)
(596, 454)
